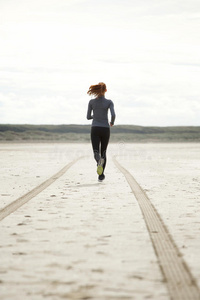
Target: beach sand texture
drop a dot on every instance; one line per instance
(81, 239)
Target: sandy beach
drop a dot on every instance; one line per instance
(81, 239)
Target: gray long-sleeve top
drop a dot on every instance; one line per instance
(100, 107)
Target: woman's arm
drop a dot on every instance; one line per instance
(89, 116)
(113, 115)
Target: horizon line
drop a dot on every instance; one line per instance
(73, 124)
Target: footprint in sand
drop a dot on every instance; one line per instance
(19, 253)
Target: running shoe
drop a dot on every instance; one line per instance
(100, 166)
(101, 177)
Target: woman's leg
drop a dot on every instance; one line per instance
(95, 139)
(100, 136)
(104, 139)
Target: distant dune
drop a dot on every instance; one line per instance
(81, 133)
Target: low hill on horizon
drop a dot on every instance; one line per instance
(81, 133)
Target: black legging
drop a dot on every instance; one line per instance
(100, 137)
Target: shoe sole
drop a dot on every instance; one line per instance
(99, 170)
(100, 167)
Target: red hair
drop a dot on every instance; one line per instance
(97, 90)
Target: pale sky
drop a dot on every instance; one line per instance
(146, 51)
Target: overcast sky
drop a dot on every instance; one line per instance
(146, 51)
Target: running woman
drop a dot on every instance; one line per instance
(100, 130)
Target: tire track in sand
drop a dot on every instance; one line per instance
(180, 282)
(10, 208)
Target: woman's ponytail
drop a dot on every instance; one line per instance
(97, 90)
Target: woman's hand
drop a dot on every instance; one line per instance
(111, 125)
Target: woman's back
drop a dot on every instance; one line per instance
(100, 107)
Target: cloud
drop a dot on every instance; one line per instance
(146, 52)
(42, 109)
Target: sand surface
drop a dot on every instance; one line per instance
(81, 239)
(170, 175)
